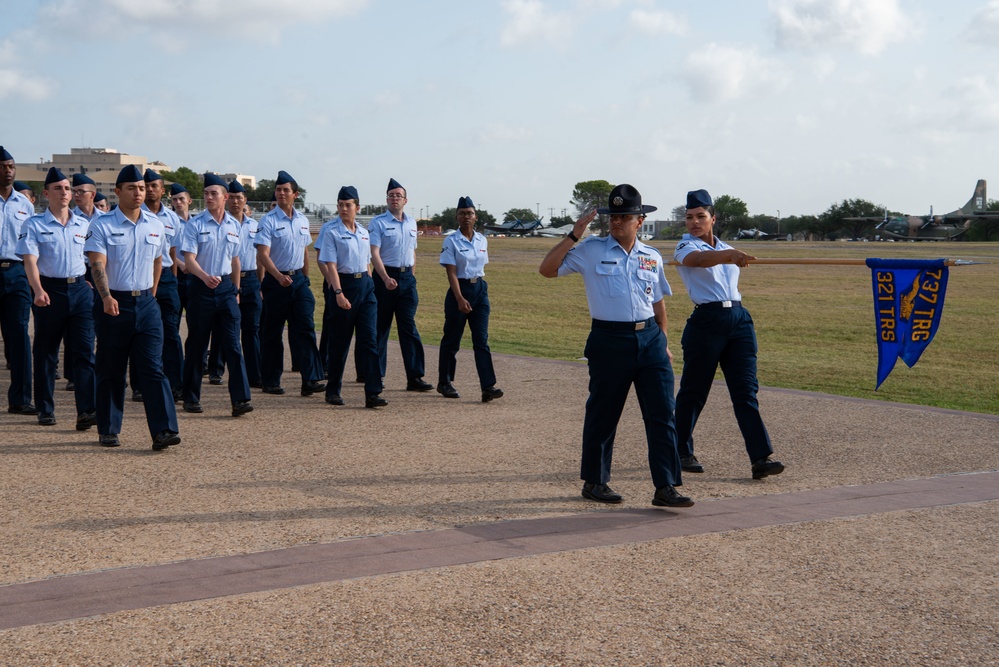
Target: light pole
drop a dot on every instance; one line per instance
(778, 222)
(539, 211)
(421, 213)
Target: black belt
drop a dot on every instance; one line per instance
(719, 304)
(293, 272)
(624, 326)
(8, 263)
(124, 294)
(251, 272)
(61, 281)
(352, 276)
(470, 281)
(399, 269)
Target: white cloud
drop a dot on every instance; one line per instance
(657, 21)
(719, 73)
(868, 26)
(531, 21)
(984, 26)
(172, 19)
(20, 83)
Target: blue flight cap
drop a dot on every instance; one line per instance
(394, 185)
(347, 192)
(698, 199)
(465, 202)
(151, 176)
(625, 199)
(54, 176)
(99, 197)
(4, 155)
(285, 177)
(215, 179)
(82, 179)
(129, 174)
(235, 187)
(20, 185)
(176, 189)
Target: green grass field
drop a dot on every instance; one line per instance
(815, 323)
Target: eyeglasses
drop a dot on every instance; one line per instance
(395, 196)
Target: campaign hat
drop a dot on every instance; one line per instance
(624, 199)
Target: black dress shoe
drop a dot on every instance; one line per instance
(489, 393)
(109, 440)
(240, 408)
(766, 467)
(273, 390)
(85, 420)
(312, 387)
(374, 401)
(178, 395)
(447, 390)
(193, 407)
(165, 439)
(334, 399)
(215, 379)
(46, 420)
(24, 409)
(601, 493)
(359, 379)
(256, 385)
(137, 397)
(418, 384)
(669, 497)
(70, 386)
(691, 464)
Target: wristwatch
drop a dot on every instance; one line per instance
(338, 291)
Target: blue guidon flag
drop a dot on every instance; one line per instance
(908, 303)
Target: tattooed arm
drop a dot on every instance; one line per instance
(97, 270)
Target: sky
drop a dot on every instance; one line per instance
(789, 105)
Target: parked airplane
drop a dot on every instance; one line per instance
(935, 227)
(554, 231)
(518, 227)
(746, 234)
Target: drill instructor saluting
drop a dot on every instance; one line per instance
(625, 285)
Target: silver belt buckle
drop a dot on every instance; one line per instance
(70, 280)
(136, 292)
(726, 304)
(639, 326)
(357, 276)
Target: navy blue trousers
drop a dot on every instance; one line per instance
(477, 295)
(399, 303)
(324, 337)
(617, 359)
(213, 314)
(173, 348)
(720, 336)
(342, 325)
(250, 307)
(295, 305)
(15, 309)
(70, 313)
(134, 336)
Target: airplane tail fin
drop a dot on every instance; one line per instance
(979, 201)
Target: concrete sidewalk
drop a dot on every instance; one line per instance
(778, 571)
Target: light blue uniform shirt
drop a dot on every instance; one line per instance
(214, 244)
(620, 286)
(286, 237)
(351, 251)
(714, 283)
(130, 248)
(88, 218)
(59, 249)
(171, 223)
(247, 244)
(468, 257)
(15, 212)
(318, 245)
(395, 239)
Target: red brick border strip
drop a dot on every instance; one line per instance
(89, 594)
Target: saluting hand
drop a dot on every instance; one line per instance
(583, 224)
